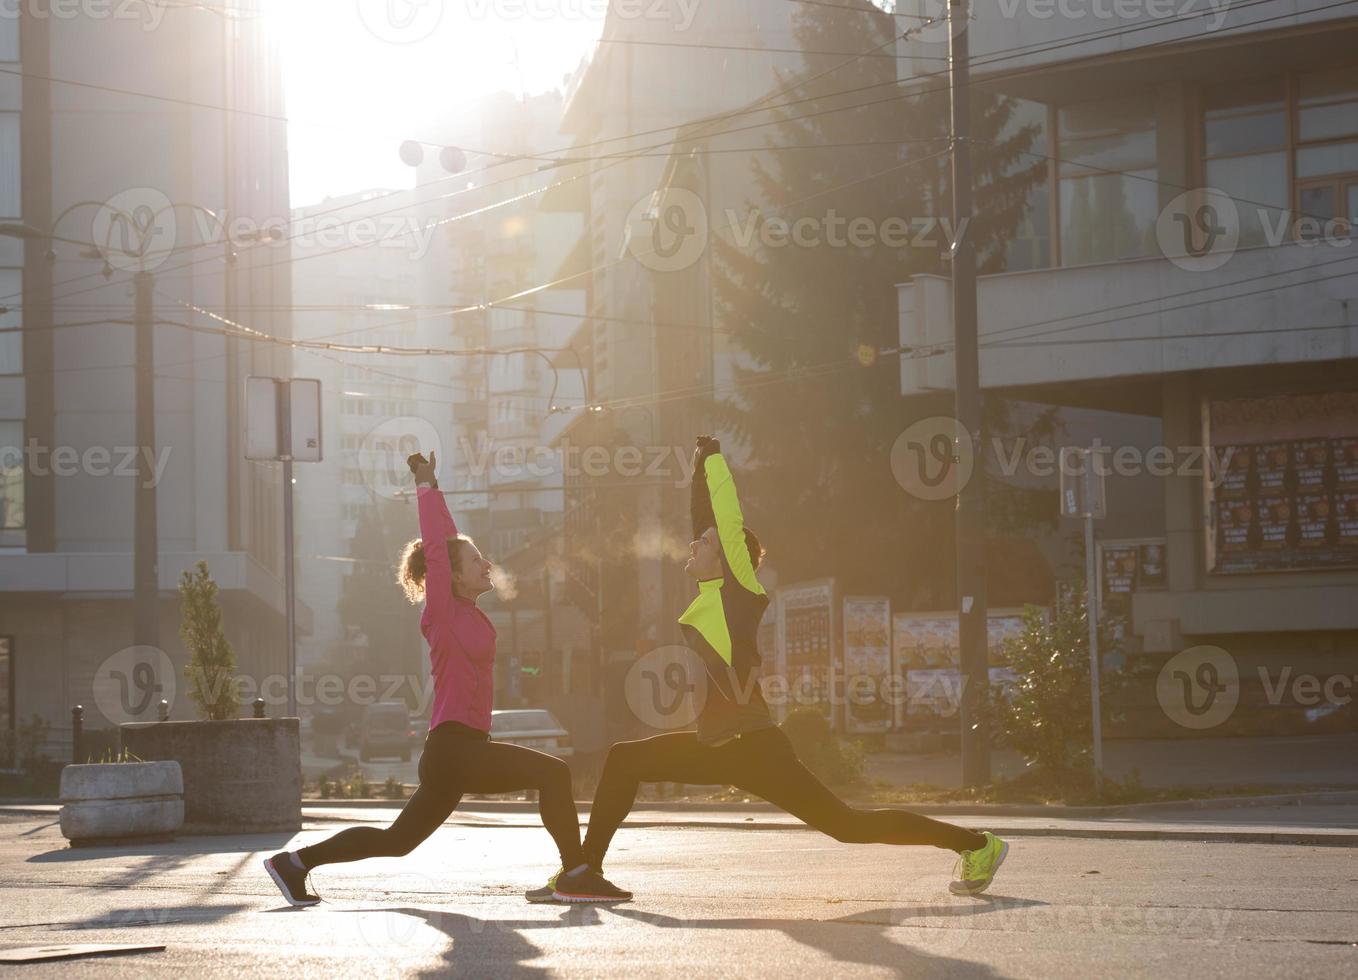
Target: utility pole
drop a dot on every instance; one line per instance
(145, 574)
(284, 394)
(970, 517)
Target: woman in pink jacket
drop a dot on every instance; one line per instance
(447, 571)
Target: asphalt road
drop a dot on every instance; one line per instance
(710, 901)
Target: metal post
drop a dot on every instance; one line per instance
(259, 708)
(284, 389)
(1092, 615)
(145, 575)
(970, 517)
(77, 732)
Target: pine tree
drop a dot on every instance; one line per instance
(818, 409)
(212, 663)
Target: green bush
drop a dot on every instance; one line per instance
(394, 789)
(832, 759)
(1045, 716)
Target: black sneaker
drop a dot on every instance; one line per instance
(290, 879)
(588, 886)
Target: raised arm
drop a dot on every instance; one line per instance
(724, 506)
(436, 528)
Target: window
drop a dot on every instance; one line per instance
(11, 476)
(1327, 152)
(1104, 215)
(9, 35)
(1030, 246)
(11, 344)
(10, 191)
(1245, 150)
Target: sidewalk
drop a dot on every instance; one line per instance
(1297, 760)
(1317, 824)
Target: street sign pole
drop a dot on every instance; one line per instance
(1092, 614)
(284, 390)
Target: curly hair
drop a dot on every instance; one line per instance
(411, 571)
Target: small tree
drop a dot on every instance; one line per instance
(1046, 714)
(212, 664)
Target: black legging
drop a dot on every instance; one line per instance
(459, 760)
(765, 764)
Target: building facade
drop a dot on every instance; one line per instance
(161, 152)
(1190, 263)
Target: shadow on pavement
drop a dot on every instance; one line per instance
(183, 847)
(483, 946)
(127, 918)
(862, 947)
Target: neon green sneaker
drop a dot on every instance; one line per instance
(976, 869)
(547, 893)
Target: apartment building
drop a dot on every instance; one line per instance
(1190, 262)
(140, 149)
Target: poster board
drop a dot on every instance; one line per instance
(868, 704)
(808, 647)
(1287, 496)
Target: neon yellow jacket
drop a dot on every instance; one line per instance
(722, 623)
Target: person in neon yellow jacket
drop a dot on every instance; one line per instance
(736, 742)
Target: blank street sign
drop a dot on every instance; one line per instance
(262, 435)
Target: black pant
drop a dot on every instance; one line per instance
(765, 764)
(459, 760)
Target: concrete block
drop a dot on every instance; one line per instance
(121, 780)
(115, 819)
(117, 800)
(240, 776)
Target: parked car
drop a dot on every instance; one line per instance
(535, 728)
(386, 730)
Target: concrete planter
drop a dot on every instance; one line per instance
(241, 776)
(119, 801)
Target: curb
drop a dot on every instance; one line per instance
(34, 807)
(1305, 837)
(1320, 798)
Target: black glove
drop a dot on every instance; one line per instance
(707, 446)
